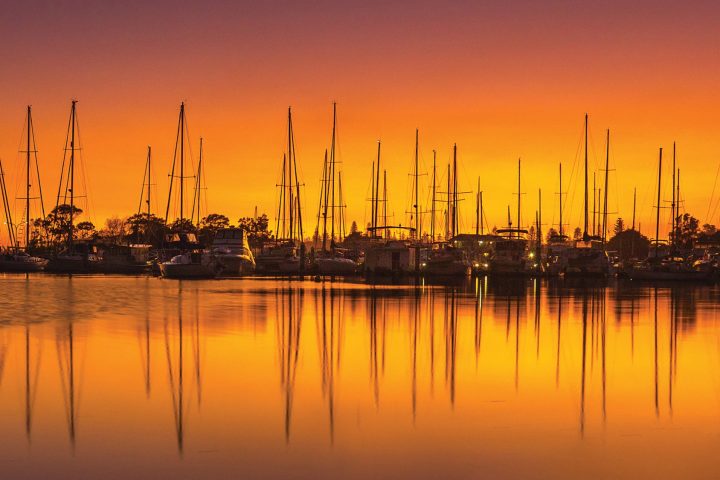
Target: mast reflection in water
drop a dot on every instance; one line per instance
(517, 378)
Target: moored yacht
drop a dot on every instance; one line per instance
(232, 253)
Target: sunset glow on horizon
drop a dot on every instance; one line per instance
(501, 81)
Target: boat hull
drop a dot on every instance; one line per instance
(335, 266)
(10, 265)
(230, 264)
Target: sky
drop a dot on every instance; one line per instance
(502, 80)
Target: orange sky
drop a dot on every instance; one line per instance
(500, 81)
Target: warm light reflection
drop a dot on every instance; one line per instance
(288, 376)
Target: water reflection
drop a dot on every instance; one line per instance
(385, 366)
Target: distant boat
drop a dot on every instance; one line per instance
(587, 256)
(446, 260)
(75, 256)
(332, 259)
(231, 251)
(286, 254)
(187, 258)
(14, 259)
(511, 255)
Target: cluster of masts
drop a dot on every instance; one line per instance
(330, 218)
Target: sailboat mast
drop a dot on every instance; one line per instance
(27, 177)
(448, 213)
(417, 189)
(289, 200)
(539, 222)
(456, 217)
(634, 206)
(518, 204)
(325, 186)
(280, 220)
(657, 217)
(198, 185)
(182, 158)
(298, 222)
(482, 215)
(477, 209)
(673, 203)
(72, 174)
(332, 176)
(373, 194)
(594, 207)
(149, 160)
(432, 209)
(585, 232)
(607, 173)
(377, 188)
(385, 232)
(561, 201)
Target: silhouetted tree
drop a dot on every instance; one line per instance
(210, 225)
(629, 244)
(619, 226)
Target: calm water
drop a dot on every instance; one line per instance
(147, 378)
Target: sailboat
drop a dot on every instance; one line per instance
(511, 255)
(332, 259)
(587, 256)
(665, 264)
(286, 255)
(557, 244)
(75, 256)
(16, 259)
(384, 255)
(445, 259)
(187, 259)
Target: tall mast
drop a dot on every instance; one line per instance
(198, 185)
(657, 217)
(72, 174)
(417, 199)
(291, 151)
(432, 209)
(290, 201)
(477, 210)
(149, 159)
(455, 193)
(373, 194)
(518, 205)
(332, 176)
(280, 220)
(377, 188)
(539, 222)
(634, 205)
(561, 201)
(325, 187)
(385, 232)
(27, 177)
(594, 207)
(673, 204)
(585, 231)
(448, 213)
(607, 172)
(482, 215)
(182, 158)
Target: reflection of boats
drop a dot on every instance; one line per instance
(670, 269)
(231, 251)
